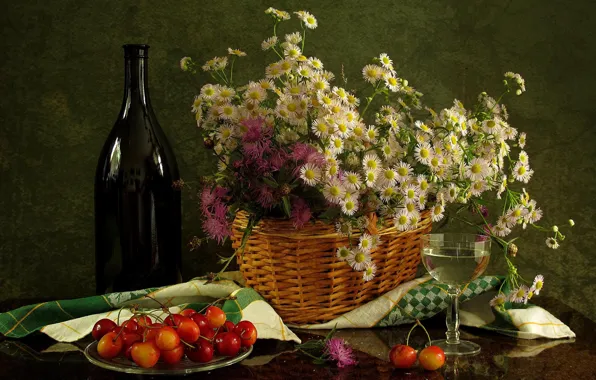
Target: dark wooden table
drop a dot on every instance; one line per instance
(501, 357)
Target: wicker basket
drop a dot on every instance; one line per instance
(297, 271)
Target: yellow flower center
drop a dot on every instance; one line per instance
(334, 190)
(410, 207)
(358, 131)
(371, 164)
(389, 174)
(352, 179)
(291, 107)
(521, 170)
(424, 153)
(411, 194)
(402, 171)
(309, 174)
(370, 176)
(423, 185)
(476, 168)
(402, 220)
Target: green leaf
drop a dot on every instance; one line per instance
(270, 182)
(331, 333)
(287, 207)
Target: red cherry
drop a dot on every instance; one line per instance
(128, 353)
(201, 321)
(229, 326)
(402, 356)
(173, 320)
(202, 351)
(215, 316)
(432, 358)
(167, 339)
(145, 354)
(142, 321)
(102, 327)
(109, 345)
(188, 313)
(152, 330)
(188, 330)
(208, 333)
(128, 339)
(247, 333)
(130, 325)
(173, 356)
(227, 344)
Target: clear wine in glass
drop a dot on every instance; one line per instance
(454, 259)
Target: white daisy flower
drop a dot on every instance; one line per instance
(437, 212)
(342, 128)
(451, 193)
(309, 20)
(414, 218)
(490, 126)
(227, 111)
(370, 269)
(403, 171)
(349, 206)
(319, 83)
(371, 134)
(371, 178)
(332, 170)
(423, 153)
(392, 83)
(422, 201)
(315, 63)
(410, 193)
(522, 172)
(502, 186)
(358, 130)
(518, 295)
(320, 128)
(538, 284)
(310, 174)
(269, 43)
(352, 100)
(358, 260)
(498, 300)
(292, 51)
(294, 38)
(533, 216)
(515, 214)
(343, 253)
(386, 61)
(387, 193)
(423, 127)
(334, 191)
(353, 181)
(209, 91)
(552, 243)
(366, 243)
(524, 158)
(340, 93)
(255, 93)
(336, 144)
(343, 229)
(522, 140)
(436, 163)
(371, 162)
(402, 220)
(372, 73)
(501, 230)
(388, 176)
(477, 169)
(478, 187)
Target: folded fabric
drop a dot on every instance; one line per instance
(70, 320)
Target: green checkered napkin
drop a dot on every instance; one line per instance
(70, 320)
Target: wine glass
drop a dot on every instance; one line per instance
(454, 259)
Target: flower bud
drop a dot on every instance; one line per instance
(555, 229)
(518, 92)
(571, 222)
(512, 250)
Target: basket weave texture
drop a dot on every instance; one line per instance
(298, 273)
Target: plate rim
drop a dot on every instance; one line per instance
(134, 369)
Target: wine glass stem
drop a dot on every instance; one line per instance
(453, 316)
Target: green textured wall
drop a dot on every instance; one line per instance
(61, 82)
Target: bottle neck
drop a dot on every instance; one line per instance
(136, 87)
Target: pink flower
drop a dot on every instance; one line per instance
(257, 139)
(215, 228)
(487, 232)
(301, 151)
(210, 197)
(265, 196)
(340, 352)
(301, 213)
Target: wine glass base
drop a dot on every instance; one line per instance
(464, 347)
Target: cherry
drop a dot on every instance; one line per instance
(128, 339)
(227, 343)
(402, 356)
(201, 321)
(152, 330)
(145, 354)
(432, 358)
(127, 353)
(188, 330)
(131, 325)
(167, 338)
(188, 313)
(142, 321)
(215, 316)
(109, 345)
(173, 320)
(247, 333)
(202, 352)
(102, 327)
(173, 356)
(208, 333)
(229, 326)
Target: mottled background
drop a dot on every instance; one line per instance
(61, 77)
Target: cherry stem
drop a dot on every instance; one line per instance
(426, 331)
(410, 332)
(164, 308)
(214, 303)
(187, 344)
